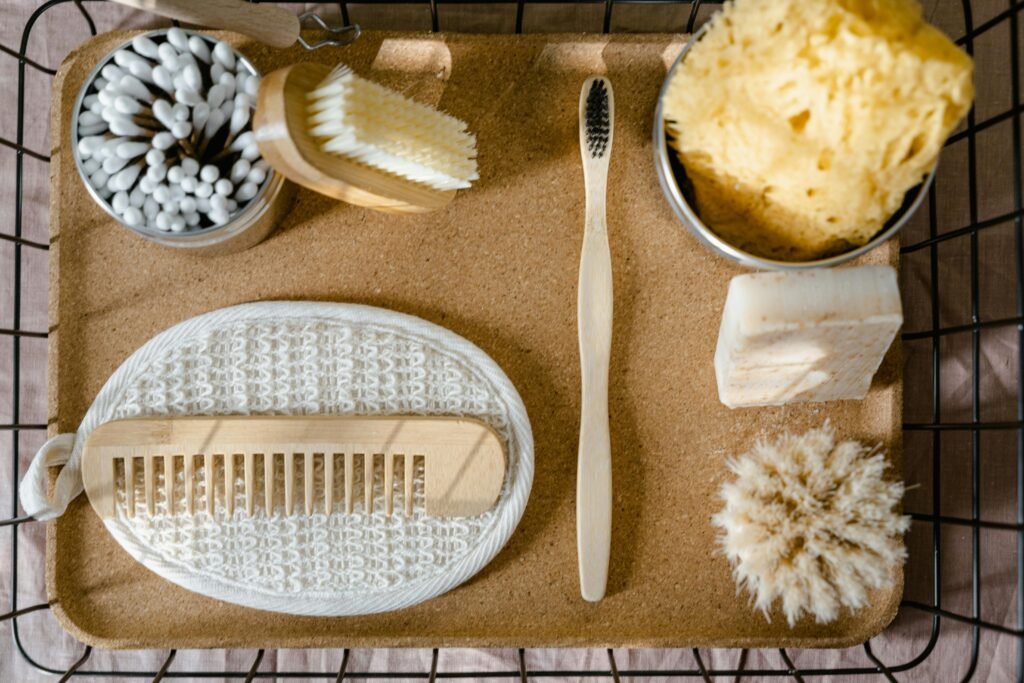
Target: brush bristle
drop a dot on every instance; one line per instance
(598, 121)
(375, 126)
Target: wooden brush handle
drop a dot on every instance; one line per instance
(266, 23)
(594, 473)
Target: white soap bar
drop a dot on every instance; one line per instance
(805, 336)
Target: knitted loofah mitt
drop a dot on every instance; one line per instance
(812, 523)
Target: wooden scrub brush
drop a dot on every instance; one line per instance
(354, 140)
(463, 463)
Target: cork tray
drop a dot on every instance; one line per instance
(499, 267)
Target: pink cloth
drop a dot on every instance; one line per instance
(62, 28)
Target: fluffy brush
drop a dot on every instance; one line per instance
(380, 128)
(812, 523)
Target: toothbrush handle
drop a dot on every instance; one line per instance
(266, 23)
(594, 473)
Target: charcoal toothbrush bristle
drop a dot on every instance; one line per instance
(597, 119)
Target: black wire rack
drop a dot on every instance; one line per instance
(945, 437)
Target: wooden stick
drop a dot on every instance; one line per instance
(268, 24)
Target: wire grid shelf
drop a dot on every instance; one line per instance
(26, 253)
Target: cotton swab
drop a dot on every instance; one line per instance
(223, 54)
(223, 187)
(163, 79)
(146, 47)
(247, 191)
(168, 57)
(130, 150)
(133, 86)
(132, 216)
(127, 127)
(200, 49)
(146, 126)
(164, 140)
(177, 38)
(114, 164)
(136, 197)
(119, 201)
(112, 73)
(181, 129)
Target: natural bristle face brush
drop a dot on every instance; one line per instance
(354, 140)
(594, 471)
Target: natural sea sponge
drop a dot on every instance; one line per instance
(803, 123)
(812, 523)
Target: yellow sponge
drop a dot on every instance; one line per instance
(802, 123)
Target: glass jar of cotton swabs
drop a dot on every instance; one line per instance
(162, 138)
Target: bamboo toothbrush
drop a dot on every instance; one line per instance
(354, 140)
(594, 472)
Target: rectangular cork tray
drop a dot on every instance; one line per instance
(498, 266)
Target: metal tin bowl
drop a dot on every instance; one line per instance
(249, 225)
(676, 187)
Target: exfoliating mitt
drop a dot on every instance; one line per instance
(302, 358)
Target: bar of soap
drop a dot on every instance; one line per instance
(815, 335)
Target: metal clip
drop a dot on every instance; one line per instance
(346, 34)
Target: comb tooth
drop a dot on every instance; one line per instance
(210, 486)
(268, 482)
(169, 482)
(113, 487)
(190, 483)
(229, 482)
(150, 479)
(408, 484)
(389, 484)
(307, 481)
(129, 483)
(368, 482)
(289, 482)
(328, 483)
(250, 478)
(350, 468)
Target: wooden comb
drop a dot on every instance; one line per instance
(463, 461)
